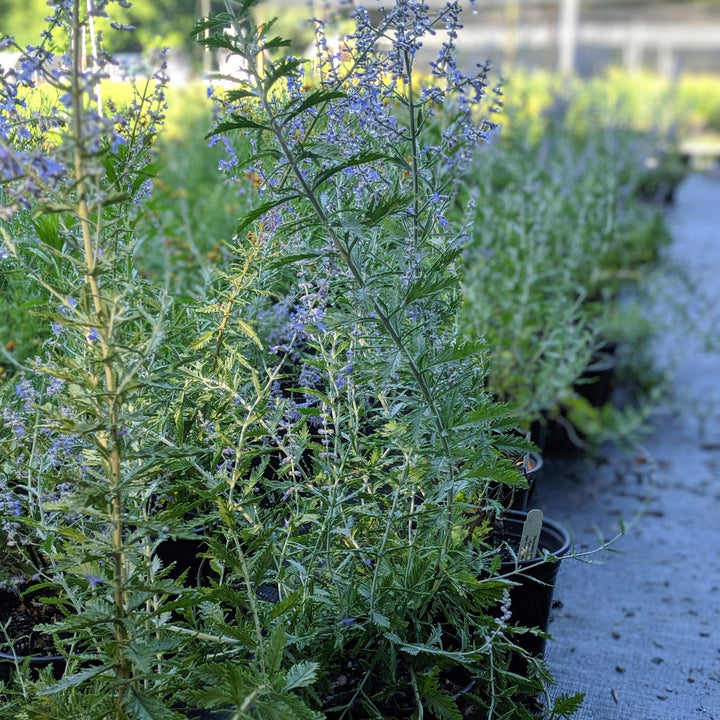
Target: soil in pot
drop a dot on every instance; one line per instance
(399, 705)
(25, 611)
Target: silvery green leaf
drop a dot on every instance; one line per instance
(301, 674)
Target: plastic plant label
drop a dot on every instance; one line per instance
(530, 536)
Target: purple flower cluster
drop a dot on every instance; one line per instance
(294, 321)
(10, 507)
(30, 427)
(25, 167)
(36, 147)
(15, 422)
(27, 393)
(361, 176)
(375, 82)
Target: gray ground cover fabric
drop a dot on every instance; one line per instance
(639, 631)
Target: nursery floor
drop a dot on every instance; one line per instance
(639, 633)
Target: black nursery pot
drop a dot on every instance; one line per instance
(531, 598)
(596, 383)
(555, 436)
(36, 645)
(185, 555)
(37, 663)
(400, 707)
(519, 499)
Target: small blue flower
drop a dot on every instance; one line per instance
(25, 391)
(116, 141)
(55, 386)
(94, 581)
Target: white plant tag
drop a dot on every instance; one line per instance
(530, 536)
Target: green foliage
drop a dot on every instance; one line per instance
(306, 371)
(24, 20)
(21, 331)
(565, 706)
(640, 101)
(362, 419)
(560, 235)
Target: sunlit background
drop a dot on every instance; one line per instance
(647, 66)
(570, 36)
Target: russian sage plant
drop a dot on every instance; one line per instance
(83, 473)
(357, 457)
(326, 427)
(559, 244)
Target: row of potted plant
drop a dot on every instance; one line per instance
(279, 497)
(562, 249)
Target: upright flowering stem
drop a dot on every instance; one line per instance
(414, 148)
(414, 165)
(110, 440)
(343, 239)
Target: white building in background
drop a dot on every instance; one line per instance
(8, 60)
(584, 36)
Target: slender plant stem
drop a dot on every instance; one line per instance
(110, 440)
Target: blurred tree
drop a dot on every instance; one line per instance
(23, 19)
(157, 22)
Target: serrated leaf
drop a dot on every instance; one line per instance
(427, 285)
(70, 681)
(226, 515)
(315, 98)
(567, 705)
(284, 605)
(239, 94)
(443, 705)
(292, 259)
(376, 213)
(283, 68)
(275, 650)
(219, 21)
(247, 330)
(353, 161)
(484, 412)
(205, 339)
(301, 674)
(236, 122)
(276, 42)
(146, 707)
(47, 228)
(216, 42)
(460, 351)
(290, 707)
(260, 210)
